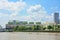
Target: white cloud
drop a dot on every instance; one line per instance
(13, 7)
(3, 15)
(36, 9)
(35, 12)
(38, 13)
(54, 8)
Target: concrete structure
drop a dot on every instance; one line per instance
(56, 18)
(14, 24)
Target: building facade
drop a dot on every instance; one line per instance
(56, 18)
(14, 24)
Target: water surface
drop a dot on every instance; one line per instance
(29, 36)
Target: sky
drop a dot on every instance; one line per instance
(28, 10)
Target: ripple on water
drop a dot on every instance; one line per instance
(29, 36)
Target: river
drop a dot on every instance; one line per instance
(29, 36)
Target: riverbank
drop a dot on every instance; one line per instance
(37, 31)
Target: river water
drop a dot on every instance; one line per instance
(29, 36)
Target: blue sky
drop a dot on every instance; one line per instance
(28, 10)
(47, 4)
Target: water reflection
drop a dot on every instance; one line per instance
(29, 36)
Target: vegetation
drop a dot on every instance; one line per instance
(21, 26)
(50, 28)
(37, 28)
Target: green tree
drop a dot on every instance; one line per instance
(33, 28)
(37, 27)
(31, 22)
(49, 27)
(58, 28)
(16, 28)
(38, 22)
(44, 28)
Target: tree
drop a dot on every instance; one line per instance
(37, 27)
(49, 27)
(16, 28)
(44, 28)
(31, 22)
(58, 27)
(33, 27)
(38, 22)
(22, 28)
(29, 28)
